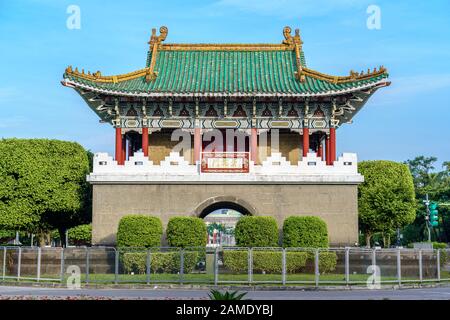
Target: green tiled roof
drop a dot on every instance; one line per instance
(194, 71)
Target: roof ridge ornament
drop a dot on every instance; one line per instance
(155, 43)
(296, 42)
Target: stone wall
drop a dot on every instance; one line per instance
(335, 203)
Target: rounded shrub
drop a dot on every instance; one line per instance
(305, 232)
(80, 235)
(139, 231)
(183, 232)
(254, 231)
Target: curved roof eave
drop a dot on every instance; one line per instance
(74, 84)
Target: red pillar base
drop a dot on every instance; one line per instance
(254, 145)
(305, 141)
(332, 145)
(197, 144)
(327, 150)
(119, 146)
(145, 141)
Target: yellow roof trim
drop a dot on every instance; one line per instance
(97, 76)
(225, 47)
(354, 76)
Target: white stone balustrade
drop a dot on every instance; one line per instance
(276, 164)
(176, 164)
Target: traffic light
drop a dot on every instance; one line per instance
(434, 215)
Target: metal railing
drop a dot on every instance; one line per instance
(225, 265)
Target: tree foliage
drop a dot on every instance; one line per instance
(427, 180)
(42, 184)
(386, 199)
(183, 232)
(139, 231)
(80, 235)
(305, 232)
(256, 231)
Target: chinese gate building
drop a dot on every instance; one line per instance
(246, 127)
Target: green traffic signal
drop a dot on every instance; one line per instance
(434, 214)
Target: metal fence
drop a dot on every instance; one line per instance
(225, 265)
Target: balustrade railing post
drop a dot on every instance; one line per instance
(399, 267)
(216, 266)
(250, 265)
(316, 267)
(19, 263)
(4, 262)
(87, 264)
(62, 265)
(420, 266)
(38, 271)
(438, 262)
(347, 266)
(181, 265)
(116, 266)
(374, 257)
(149, 261)
(283, 266)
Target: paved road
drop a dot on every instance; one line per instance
(437, 293)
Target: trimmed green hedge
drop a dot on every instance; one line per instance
(439, 245)
(183, 232)
(80, 235)
(139, 231)
(443, 255)
(254, 231)
(327, 262)
(264, 261)
(160, 262)
(305, 232)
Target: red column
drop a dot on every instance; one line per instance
(145, 141)
(119, 145)
(254, 145)
(327, 149)
(332, 145)
(197, 144)
(305, 141)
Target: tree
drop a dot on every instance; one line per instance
(437, 186)
(420, 168)
(42, 185)
(386, 198)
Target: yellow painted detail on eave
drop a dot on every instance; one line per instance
(354, 76)
(97, 76)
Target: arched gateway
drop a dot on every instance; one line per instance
(224, 202)
(221, 215)
(245, 126)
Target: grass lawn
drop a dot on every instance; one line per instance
(203, 278)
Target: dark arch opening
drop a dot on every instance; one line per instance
(224, 205)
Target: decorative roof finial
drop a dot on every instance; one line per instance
(155, 42)
(163, 31)
(287, 36)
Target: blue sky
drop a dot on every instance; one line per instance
(409, 118)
